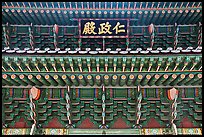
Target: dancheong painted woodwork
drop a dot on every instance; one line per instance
(71, 68)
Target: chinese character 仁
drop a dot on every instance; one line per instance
(104, 26)
(89, 28)
(117, 27)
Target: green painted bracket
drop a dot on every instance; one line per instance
(97, 62)
(115, 62)
(106, 60)
(133, 60)
(70, 61)
(124, 60)
(88, 60)
(33, 59)
(52, 60)
(79, 61)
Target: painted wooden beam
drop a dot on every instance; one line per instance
(106, 80)
(82, 80)
(59, 80)
(90, 80)
(43, 80)
(130, 79)
(66, 79)
(114, 80)
(50, 79)
(74, 79)
(34, 80)
(123, 80)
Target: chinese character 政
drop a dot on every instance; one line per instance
(105, 28)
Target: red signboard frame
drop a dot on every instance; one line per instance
(79, 27)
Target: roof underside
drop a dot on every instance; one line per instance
(65, 13)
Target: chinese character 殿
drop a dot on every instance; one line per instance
(89, 28)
